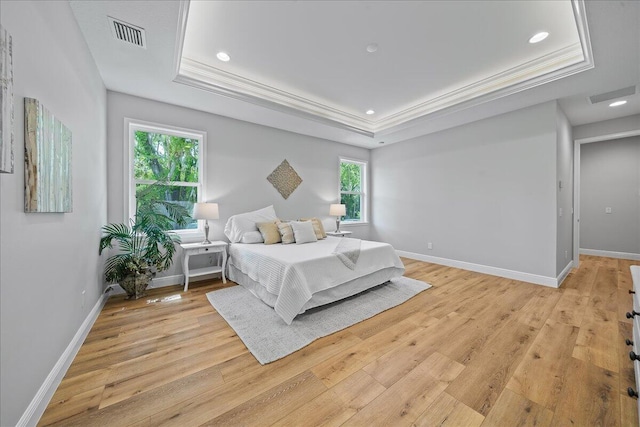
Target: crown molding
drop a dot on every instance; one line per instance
(553, 66)
(202, 76)
(183, 15)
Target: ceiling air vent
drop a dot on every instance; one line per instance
(631, 90)
(127, 33)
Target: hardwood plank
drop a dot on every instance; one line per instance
(583, 279)
(446, 411)
(538, 309)
(604, 294)
(511, 409)
(598, 339)
(482, 381)
(266, 409)
(571, 308)
(628, 410)
(390, 367)
(589, 397)
(58, 412)
(403, 402)
(465, 334)
(215, 402)
(337, 404)
(343, 364)
(116, 391)
(144, 405)
(72, 386)
(539, 376)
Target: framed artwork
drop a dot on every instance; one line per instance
(6, 102)
(47, 161)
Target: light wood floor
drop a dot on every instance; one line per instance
(475, 350)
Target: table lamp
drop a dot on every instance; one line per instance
(206, 211)
(337, 210)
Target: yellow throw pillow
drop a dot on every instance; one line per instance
(269, 231)
(317, 227)
(286, 233)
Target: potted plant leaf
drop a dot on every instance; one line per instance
(145, 244)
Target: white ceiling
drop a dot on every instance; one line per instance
(303, 66)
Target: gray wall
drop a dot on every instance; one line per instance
(240, 156)
(564, 199)
(607, 127)
(47, 260)
(610, 177)
(483, 193)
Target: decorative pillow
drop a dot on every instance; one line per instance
(252, 237)
(243, 223)
(303, 232)
(269, 231)
(286, 233)
(317, 227)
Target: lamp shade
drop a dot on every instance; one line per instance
(205, 211)
(337, 210)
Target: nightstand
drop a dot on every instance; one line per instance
(191, 249)
(339, 233)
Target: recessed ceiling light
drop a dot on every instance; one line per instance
(223, 56)
(539, 37)
(370, 112)
(372, 47)
(617, 103)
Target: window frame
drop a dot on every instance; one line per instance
(364, 187)
(133, 125)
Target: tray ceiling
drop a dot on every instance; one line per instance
(313, 59)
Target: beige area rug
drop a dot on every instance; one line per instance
(269, 338)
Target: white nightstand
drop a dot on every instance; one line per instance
(191, 249)
(339, 233)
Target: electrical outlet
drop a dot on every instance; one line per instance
(607, 210)
(429, 245)
(82, 303)
(566, 254)
(560, 211)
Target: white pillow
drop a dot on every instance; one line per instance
(243, 223)
(252, 237)
(303, 232)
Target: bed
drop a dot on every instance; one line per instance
(294, 278)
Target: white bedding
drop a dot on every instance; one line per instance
(294, 273)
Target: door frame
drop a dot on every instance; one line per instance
(576, 183)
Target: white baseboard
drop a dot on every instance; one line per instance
(610, 254)
(161, 282)
(39, 403)
(564, 273)
(551, 282)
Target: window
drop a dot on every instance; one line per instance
(353, 187)
(170, 158)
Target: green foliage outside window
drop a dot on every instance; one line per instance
(351, 190)
(171, 162)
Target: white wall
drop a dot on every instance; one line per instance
(240, 156)
(482, 193)
(610, 177)
(564, 198)
(47, 260)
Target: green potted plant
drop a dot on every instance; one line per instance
(146, 246)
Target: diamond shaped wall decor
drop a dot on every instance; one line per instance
(285, 179)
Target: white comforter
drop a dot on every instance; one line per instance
(296, 272)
